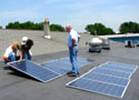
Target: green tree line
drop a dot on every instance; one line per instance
(33, 26)
(94, 29)
(0, 27)
(26, 25)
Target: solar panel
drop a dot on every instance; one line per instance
(108, 79)
(98, 87)
(126, 67)
(34, 70)
(63, 65)
(110, 67)
(55, 68)
(117, 64)
(112, 73)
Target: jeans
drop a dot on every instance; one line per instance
(73, 59)
(11, 58)
(27, 56)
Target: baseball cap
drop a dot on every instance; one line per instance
(24, 40)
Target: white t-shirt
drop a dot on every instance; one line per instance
(8, 52)
(73, 35)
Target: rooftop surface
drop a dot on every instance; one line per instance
(17, 86)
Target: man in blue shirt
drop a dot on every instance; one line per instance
(73, 39)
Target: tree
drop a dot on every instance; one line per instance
(34, 26)
(26, 25)
(90, 28)
(108, 31)
(0, 27)
(129, 27)
(56, 27)
(98, 29)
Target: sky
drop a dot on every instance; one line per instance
(78, 13)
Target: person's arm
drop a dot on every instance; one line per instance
(20, 55)
(78, 37)
(73, 42)
(5, 59)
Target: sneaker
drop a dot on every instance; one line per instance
(72, 75)
(70, 72)
(78, 73)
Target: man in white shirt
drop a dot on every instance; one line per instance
(73, 39)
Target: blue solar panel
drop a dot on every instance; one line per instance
(63, 65)
(123, 69)
(112, 73)
(106, 79)
(34, 70)
(98, 87)
(56, 69)
(120, 66)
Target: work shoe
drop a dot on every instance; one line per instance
(72, 75)
(78, 73)
(68, 73)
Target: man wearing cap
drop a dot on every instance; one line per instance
(26, 45)
(73, 39)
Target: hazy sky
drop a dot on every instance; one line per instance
(79, 13)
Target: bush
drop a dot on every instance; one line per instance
(56, 27)
(0, 27)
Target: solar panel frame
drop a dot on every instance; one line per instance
(76, 79)
(58, 75)
(94, 91)
(81, 88)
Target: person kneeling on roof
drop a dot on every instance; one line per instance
(26, 45)
(12, 53)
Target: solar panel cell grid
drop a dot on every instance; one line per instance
(63, 65)
(106, 79)
(123, 69)
(129, 66)
(112, 73)
(95, 86)
(34, 70)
